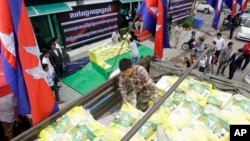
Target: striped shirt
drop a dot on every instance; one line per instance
(140, 82)
(225, 54)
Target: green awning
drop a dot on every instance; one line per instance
(48, 9)
(128, 1)
(31, 12)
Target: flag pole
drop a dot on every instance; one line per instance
(119, 52)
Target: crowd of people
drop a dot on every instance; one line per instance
(222, 55)
(52, 64)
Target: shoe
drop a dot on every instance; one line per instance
(59, 86)
(222, 74)
(59, 102)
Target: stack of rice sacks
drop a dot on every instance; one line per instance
(104, 52)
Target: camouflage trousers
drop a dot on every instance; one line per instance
(142, 100)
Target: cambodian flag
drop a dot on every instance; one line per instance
(217, 5)
(154, 15)
(231, 4)
(243, 5)
(20, 58)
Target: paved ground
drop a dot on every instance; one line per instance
(175, 55)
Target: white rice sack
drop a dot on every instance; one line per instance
(237, 111)
(185, 112)
(200, 91)
(219, 98)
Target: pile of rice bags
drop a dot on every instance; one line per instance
(194, 111)
(75, 125)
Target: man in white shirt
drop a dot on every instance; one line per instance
(134, 50)
(8, 114)
(46, 60)
(220, 43)
(116, 37)
(52, 84)
(178, 29)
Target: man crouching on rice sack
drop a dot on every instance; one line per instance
(142, 84)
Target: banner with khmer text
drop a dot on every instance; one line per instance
(87, 23)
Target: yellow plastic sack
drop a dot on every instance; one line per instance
(219, 98)
(148, 130)
(162, 85)
(124, 120)
(240, 107)
(48, 134)
(178, 95)
(89, 131)
(78, 115)
(200, 91)
(169, 105)
(184, 113)
(184, 85)
(60, 126)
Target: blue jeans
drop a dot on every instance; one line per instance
(134, 59)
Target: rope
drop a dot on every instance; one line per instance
(119, 52)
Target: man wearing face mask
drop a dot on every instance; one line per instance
(142, 84)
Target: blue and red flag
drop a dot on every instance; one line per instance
(217, 5)
(243, 5)
(20, 58)
(231, 4)
(155, 20)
